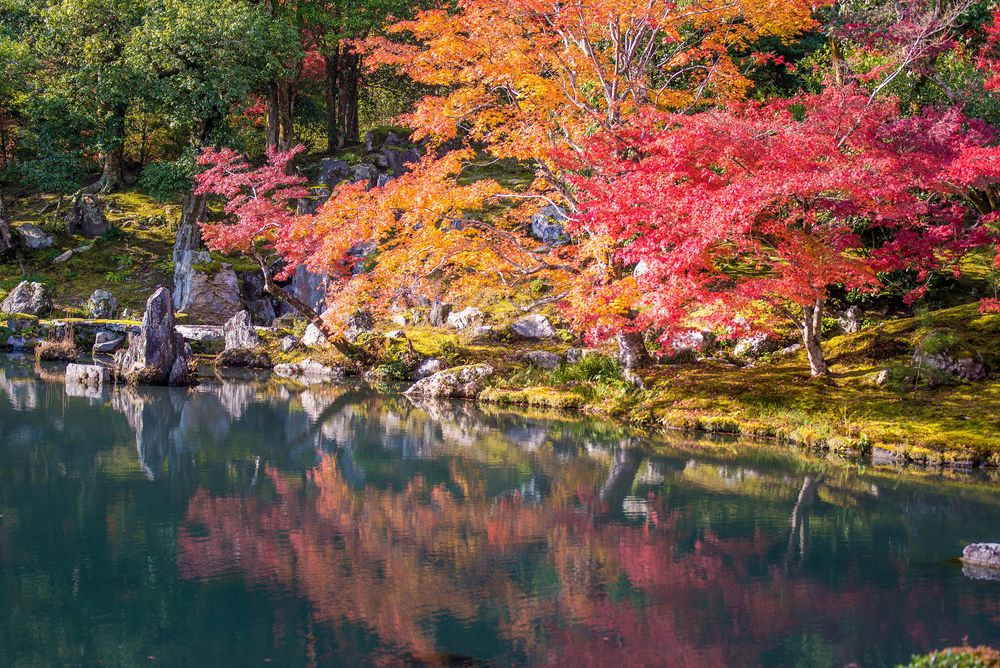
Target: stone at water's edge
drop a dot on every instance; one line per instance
(27, 298)
(158, 355)
(91, 375)
(464, 382)
(428, 367)
(108, 342)
(213, 297)
(981, 561)
(309, 372)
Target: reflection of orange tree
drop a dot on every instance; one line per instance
(392, 560)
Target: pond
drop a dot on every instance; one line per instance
(246, 523)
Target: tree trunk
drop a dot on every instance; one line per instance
(632, 355)
(114, 158)
(280, 115)
(4, 139)
(6, 234)
(348, 84)
(811, 325)
(332, 86)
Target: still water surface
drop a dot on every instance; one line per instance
(243, 523)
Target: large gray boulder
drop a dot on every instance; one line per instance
(358, 323)
(466, 318)
(102, 305)
(91, 375)
(158, 355)
(28, 298)
(86, 217)
(465, 382)
(755, 345)
(33, 237)
(332, 171)
(213, 296)
(940, 358)
(239, 332)
(543, 359)
(108, 342)
(428, 367)
(534, 326)
(439, 313)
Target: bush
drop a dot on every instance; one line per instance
(166, 181)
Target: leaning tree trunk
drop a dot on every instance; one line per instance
(336, 339)
(811, 325)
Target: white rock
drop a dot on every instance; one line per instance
(91, 375)
(465, 318)
(534, 326)
(309, 371)
(464, 382)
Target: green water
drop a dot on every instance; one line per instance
(243, 523)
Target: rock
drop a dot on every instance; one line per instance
(574, 355)
(91, 375)
(986, 555)
(332, 171)
(28, 298)
(395, 334)
(6, 233)
(881, 378)
(397, 160)
(465, 318)
(549, 224)
(252, 286)
(59, 259)
(17, 323)
(213, 297)
(102, 305)
(261, 311)
(428, 367)
(543, 359)
(86, 217)
(755, 345)
(184, 261)
(940, 358)
(309, 371)
(534, 326)
(399, 320)
(439, 313)
(158, 355)
(108, 342)
(34, 238)
(22, 343)
(360, 322)
(641, 269)
(288, 343)
(464, 382)
(243, 358)
(483, 333)
(790, 350)
(850, 321)
(365, 172)
(201, 333)
(238, 332)
(314, 337)
(310, 288)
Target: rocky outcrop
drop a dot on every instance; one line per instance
(238, 332)
(33, 237)
(941, 358)
(86, 217)
(755, 345)
(310, 288)
(332, 171)
(102, 305)
(850, 320)
(428, 367)
(465, 382)
(534, 327)
(158, 355)
(574, 355)
(28, 298)
(358, 323)
(213, 296)
(467, 317)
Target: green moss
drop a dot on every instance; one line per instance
(537, 397)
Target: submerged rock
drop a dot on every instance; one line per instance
(27, 298)
(465, 382)
(310, 371)
(158, 355)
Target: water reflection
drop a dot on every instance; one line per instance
(246, 520)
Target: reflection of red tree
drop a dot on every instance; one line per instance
(393, 560)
